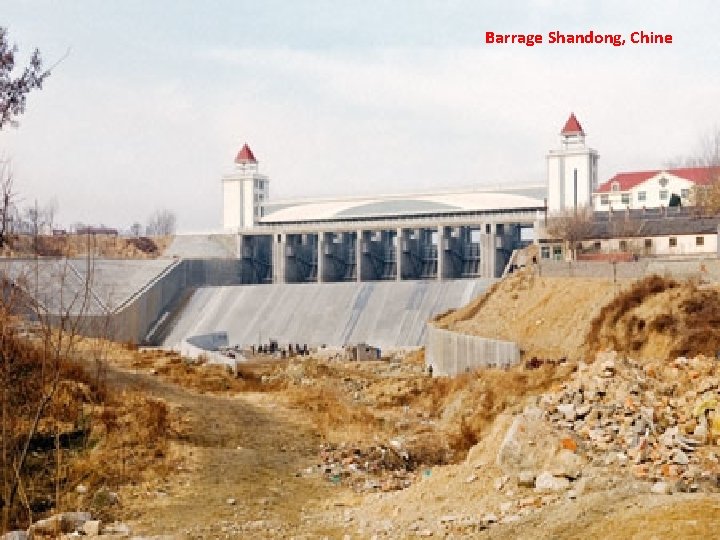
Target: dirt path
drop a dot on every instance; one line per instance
(245, 447)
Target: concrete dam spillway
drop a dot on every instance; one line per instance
(165, 301)
(386, 314)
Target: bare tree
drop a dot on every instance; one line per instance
(32, 368)
(14, 88)
(161, 223)
(6, 202)
(49, 211)
(705, 195)
(572, 226)
(706, 198)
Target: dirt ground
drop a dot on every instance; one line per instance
(547, 317)
(243, 454)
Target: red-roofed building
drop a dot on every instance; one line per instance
(651, 189)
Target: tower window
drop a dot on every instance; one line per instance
(673, 241)
(575, 188)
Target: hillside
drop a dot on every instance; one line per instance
(547, 317)
(575, 317)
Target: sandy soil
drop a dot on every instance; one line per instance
(547, 317)
(247, 448)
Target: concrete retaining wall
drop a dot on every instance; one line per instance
(136, 317)
(708, 269)
(451, 353)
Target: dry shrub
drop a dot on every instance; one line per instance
(143, 244)
(218, 378)
(465, 437)
(333, 416)
(27, 372)
(659, 318)
(128, 435)
(415, 358)
(701, 332)
(469, 404)
(48, 247)
(630, 299)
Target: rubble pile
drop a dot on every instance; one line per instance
(659, 421)
(376, 468)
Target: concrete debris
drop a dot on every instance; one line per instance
(652, 420)
(14, 535)
(526, 479)
(92, 527)
(547, 482)
(66, 522)
(661, 488)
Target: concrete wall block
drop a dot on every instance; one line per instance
(452, 353)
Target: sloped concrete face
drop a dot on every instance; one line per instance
(385, 314)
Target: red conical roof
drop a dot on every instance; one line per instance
(245, 155)
(572, 126)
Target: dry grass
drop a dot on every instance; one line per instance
(659, 318)
(335, 417)
(99, 438)
(98, 245)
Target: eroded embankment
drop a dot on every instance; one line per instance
(653, 317)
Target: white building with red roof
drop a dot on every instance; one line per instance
(651, 189)
(571, 169)
(245, 192)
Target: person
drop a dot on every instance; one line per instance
(430, 370)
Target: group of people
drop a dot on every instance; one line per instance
(289, 351)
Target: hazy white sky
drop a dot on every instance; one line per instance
(156, 97)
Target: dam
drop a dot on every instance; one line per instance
(162, 302)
